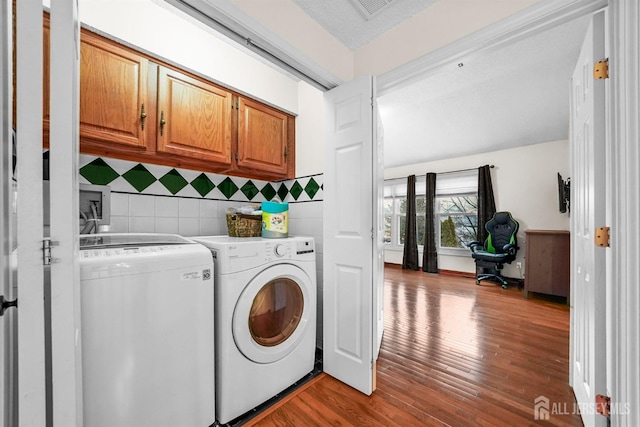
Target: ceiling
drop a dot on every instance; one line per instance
(357, 22)
(497, 99)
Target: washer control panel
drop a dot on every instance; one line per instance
(289, 249)
(280, 250)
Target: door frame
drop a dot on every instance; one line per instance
(623, 160)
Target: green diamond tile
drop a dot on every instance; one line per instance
(98, 172)
(249, 190)
(139, 177)
(227, 187)
(268, 192)
(173, 181)
(203, 184)
(296, 190)
(282, 192)
(311, 188)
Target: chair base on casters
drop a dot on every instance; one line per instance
(494, 276)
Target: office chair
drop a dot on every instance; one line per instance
(499, 248)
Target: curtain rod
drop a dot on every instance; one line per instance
(440, 173)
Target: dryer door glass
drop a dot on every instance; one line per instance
(276, 312)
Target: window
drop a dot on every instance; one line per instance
(395, 211)
(458, 218)
(395, 200)
(456, 211)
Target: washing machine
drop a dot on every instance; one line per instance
(265, 318)
(147, 326)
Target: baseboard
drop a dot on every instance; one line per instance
(454, 273)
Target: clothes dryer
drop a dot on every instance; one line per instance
(265, 318)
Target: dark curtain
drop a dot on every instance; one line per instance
(430, 254)
(410, 255)
(486, 202)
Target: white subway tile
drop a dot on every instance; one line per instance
(167, 207)
(119, 204)
(119, 224)
(189, 226)
(141, 224)
(211, 227)
(189, 208)
(209, 208)
(142, 205)
(167, 225)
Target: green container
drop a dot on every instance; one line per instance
(275, 220)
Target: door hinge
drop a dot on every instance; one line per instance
(603, 404)
(47, 258)
(6, 304)
(602, 237)
(601, 69)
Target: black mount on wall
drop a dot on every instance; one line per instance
(564, 194)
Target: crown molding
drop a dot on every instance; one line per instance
(531, 21)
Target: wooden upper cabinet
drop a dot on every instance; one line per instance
(194, 118)
(135, 107)
(114, 101)
(262, 138)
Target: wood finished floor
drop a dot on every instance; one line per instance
(453, 353)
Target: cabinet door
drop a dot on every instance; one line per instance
(194, 118)
(113, 95)
(262, 138)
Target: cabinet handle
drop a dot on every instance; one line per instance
(143, 116)
(162, 122)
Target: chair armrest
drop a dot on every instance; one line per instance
(510, 249)
(474, 246)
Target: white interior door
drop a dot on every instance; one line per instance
(588, 262)
(350, 263)
(30, 271)
(7, 321)
(66, 357)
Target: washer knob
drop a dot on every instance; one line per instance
(280, 250)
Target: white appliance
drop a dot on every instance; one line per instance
(265, 309)
(147, 331)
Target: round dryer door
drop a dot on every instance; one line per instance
(272, 312)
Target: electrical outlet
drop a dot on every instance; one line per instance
(519, 265)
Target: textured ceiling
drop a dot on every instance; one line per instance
(342, 18)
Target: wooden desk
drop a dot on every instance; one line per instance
(547, 262)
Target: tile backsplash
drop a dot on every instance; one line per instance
(137, 178)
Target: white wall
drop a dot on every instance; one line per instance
(287, 20)
(310, 131)
(524, 182)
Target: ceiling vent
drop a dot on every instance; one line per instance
(370, 8)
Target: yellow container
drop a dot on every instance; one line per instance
(275, 220)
